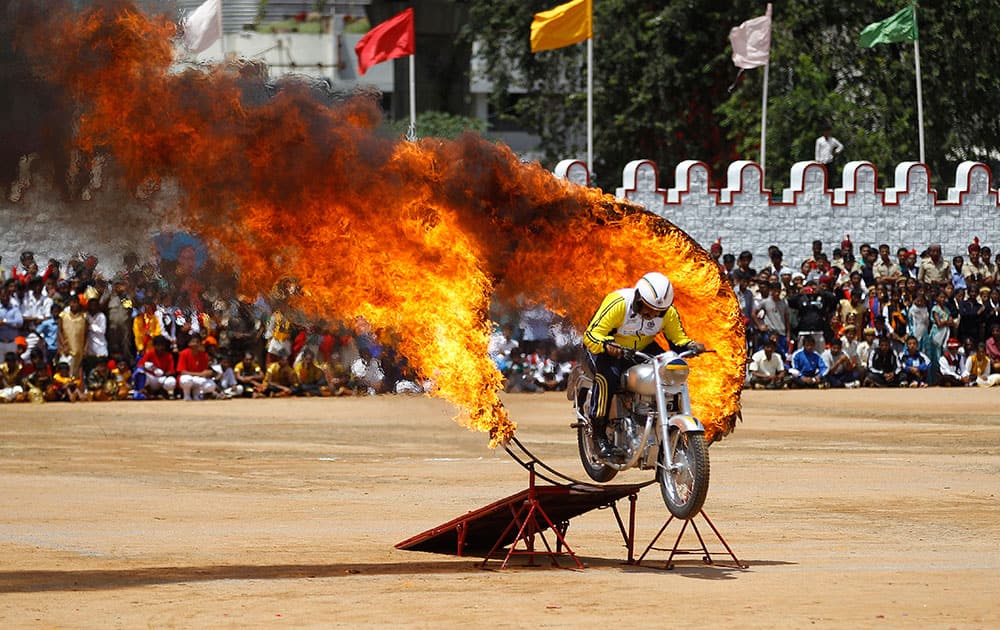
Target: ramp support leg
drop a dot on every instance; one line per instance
(703, 549)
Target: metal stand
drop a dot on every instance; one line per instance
(525, 518)
(676, 550)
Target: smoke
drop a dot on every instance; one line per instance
(290, 179)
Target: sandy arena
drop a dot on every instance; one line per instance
(852, 508)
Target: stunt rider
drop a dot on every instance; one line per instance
(629, 318)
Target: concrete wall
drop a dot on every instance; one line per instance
(746, 216)
(101, 218)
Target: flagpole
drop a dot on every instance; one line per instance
(920, 97)
(763, 126)
(590, 106)
(413, 96)
(222, 34)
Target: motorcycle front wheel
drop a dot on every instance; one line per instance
(591, 459)
(684, 489)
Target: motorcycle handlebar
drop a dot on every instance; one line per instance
(631, 354)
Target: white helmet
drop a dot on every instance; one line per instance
(655, 291)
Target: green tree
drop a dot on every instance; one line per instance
(819, 73)
(662, 77)
(439, 125)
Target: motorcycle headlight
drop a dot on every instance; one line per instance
(674, 373)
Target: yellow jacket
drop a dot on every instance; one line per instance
(616, 321)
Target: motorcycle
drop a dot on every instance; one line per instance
(650, 426)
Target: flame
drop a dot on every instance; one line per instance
(416, 237)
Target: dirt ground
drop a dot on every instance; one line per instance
(852, 508)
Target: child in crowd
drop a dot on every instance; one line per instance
(227, 385)
(65, 387)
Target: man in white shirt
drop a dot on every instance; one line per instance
(827, 147)
(767, 369)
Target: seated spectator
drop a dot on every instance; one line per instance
(367, 372)
(249, 375)
(101, 385)
(65, 387)
(279, 378)
(841, 371)
(977, 367)
(767, 369)
(884, 367)
(409, 382)
(808, 368)
(194, 372)
(916, 365)
(951, 367)
(226, 383)
(12, 379)
(993, 348)
(310, 378)
(155, 373)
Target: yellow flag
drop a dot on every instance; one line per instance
(564, 25)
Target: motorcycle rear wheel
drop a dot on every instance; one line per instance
(684, 490)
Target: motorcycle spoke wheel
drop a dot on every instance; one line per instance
(685, 487)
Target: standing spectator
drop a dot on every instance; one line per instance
(884, 367)
(841, 369)
(827, 148)
(536, 323)
(36, 303)
(502, 345)
(97, 341)
(972, 312)
(908, 263)
(974, 270)
(146, 327)
(278, 334)
(25, 270)
(815, 308)
(941, 325)
(885, 269)
(772, 319)
(934, 270)
(48, 330)
(767, 369)
(729, 265)
(194, 372)
(746, 301)
(808, 368)
(72, 340)
(951, 367)
(11, 319)
(743, 264)
(992, 309)
(119, 333)
(958, 273)
(918, 320)
(916, 365)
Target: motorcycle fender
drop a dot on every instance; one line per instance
(686, 424)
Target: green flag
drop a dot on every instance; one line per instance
(901, 27)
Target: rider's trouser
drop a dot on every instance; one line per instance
(607, 382)
(608, 379)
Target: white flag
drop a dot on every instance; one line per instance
(751, 41)
(203, 26)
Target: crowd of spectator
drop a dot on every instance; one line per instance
(169, 329)
(873, 319)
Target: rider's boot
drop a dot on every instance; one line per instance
(601, 438)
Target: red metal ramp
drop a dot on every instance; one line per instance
(481, 530)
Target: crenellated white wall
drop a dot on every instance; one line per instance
(746, 216)
(107, 221)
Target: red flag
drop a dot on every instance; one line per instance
(390, 39)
